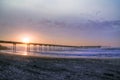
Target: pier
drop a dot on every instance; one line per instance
(39, 47)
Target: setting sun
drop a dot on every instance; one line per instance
(26, 40)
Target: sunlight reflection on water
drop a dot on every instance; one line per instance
(25, 53)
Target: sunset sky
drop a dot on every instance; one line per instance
(72, 22)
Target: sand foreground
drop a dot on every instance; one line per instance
(16, 67)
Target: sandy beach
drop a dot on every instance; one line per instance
(16, 67)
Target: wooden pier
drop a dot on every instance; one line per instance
(39, 47)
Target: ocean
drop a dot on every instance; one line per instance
(81, 52)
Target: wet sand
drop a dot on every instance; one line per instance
(19, 67)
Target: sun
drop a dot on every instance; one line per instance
(26, 40)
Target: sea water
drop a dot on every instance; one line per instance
(94, 52)
(82, 52)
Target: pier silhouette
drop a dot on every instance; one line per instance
(44, 47)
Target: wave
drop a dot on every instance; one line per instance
(94, 52)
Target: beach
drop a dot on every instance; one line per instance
(19, 67)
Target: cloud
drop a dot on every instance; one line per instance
(98, 9)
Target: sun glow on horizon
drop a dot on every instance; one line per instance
(26, 40)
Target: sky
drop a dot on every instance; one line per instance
(71, 22)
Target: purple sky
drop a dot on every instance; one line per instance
(73, 22)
